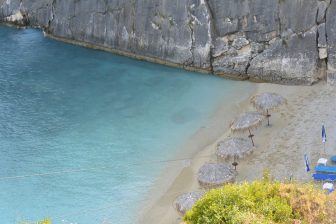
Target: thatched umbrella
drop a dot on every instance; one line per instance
(184, 202)
(236, 148)
(247, 121)
(267, 102)
(215, 175)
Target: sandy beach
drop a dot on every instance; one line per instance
(295, 130)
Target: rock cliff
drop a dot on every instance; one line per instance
(280, 41)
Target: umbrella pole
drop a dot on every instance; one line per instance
(268, 118)
(251, 136)
(235, 163)
(324, 147)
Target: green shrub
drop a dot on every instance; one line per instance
(264, 202)
(44, 221)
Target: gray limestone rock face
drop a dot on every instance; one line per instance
(322, 8)
(244, 26)
(8, 8)
(178, 32)
(331, 78)
(258, 18)
(240, 42)
(331, 38)
(322, 38)
(283, 41)
(35, 12)
(322, 41)
(231, 56)
(233, 67)
(39, 12)
(291, 61)
(298, 15)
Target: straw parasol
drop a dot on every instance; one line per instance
(215, 174)
(185, 202)
(247, 121)
(234, 148)
(267, 102)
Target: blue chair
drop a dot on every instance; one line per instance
(324, 177)
(325, 169)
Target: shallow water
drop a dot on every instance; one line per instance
(81, 130)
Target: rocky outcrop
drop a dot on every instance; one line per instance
(331, 42)
(281, 41)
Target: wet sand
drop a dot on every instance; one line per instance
(295, 130)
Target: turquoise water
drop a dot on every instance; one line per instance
(79, 128)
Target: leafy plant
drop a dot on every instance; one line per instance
(44, 221)
(264, 202)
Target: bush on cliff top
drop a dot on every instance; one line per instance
(264, 202)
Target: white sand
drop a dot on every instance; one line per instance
(295, 130)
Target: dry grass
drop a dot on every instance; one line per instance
(313, 205)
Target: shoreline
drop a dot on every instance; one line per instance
(151, 59)
(128, 54)
(280, 147)
(216, 124)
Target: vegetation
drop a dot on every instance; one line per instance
(264, 202)
(44, 221)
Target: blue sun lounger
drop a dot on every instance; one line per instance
(324, 177)
(325, 169)
(333, 159)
